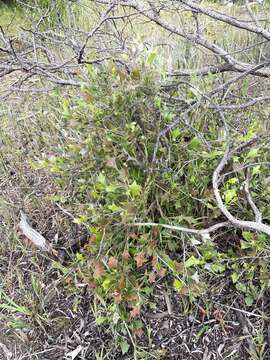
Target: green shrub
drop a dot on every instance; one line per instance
(108, 175)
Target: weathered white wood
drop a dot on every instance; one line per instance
(35, 237)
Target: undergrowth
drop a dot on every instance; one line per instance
(112, 173)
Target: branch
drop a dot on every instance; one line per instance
(204, 232)
(227, 19)
(242, 224)
(258, 215)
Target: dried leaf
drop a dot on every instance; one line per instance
(132, 298)
(87, 97)
(113, 262)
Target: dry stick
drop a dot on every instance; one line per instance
(226, 19)
(257, 213)
(249, 71)
(204, 232)
(103, 19)
(214, 69)
(243, 105)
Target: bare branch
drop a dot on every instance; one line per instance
(258, 215)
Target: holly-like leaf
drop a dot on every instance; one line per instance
(125, 255)
(113, 262)
(117, 297)
(140, 260)
(135, 312)
(152, 277)
(98, 270)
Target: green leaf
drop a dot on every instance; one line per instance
(107, 283)
(195, 143)
(177, 284)
(147, 290)
(233, 181)
(135, 189)
(101, 320)
(249, 300)
(230, 195)
(158, 102)
(252, 153)
(192, 261)
(256, 170)
(136, 74)
(175, 133)
(101, 179)
(234, 277)
(151, 58)
(91, 70)
(79, 256)
(113, 207)
(244, 245)
(65, 107)
(217, 268)
(124, 346)
(247, 235)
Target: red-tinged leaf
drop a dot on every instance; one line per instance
(135, 312)
(162, 272)
(117, 297)
(179, 267)
(86, 96)
(122, 282)
(132, 298)
(152, 277)
(155, 232)
(133, 236)
(98, 270)
(125, 255)
(154, 262)
(91, 285)
(111, 163)
(93, 238)
(113, 262)
(140, 260)
(138, 332)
